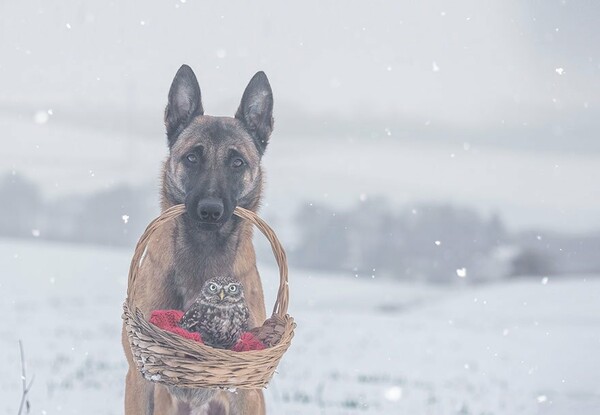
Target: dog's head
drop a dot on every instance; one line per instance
(214, 162)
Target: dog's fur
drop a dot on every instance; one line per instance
(191, 249)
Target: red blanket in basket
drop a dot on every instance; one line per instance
(169, 320)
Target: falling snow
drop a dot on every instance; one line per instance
(393, 394)
(41, 117)
(424, 348)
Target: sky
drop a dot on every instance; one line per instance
(467, 63)
(501, 76)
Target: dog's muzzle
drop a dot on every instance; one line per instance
(210, 210)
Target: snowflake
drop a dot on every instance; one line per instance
(393, 394)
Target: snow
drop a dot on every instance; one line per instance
(393, 394)
(41, 117)
(362, 346)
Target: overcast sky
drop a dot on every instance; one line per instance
(515, 71)
(467, 62)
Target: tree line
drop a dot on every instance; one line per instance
(426, 242)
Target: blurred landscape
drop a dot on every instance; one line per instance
(432, 175)
(421, 242)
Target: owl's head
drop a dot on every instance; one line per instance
(222, 290)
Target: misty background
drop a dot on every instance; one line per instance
(433, 176)
(411, 139)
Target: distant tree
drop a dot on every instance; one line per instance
(531, 262)
(324, 238)
(369, 226)
(20, 207)
(116, 216)
(425, 242)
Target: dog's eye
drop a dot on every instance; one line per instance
(238, 162)
(212, 287)
(192, 158)
(232, 288)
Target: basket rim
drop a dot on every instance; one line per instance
(194, 345)
(282, 299)
(195, 365)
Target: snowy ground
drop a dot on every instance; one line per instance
(363, 346)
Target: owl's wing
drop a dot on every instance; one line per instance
(190, 319)
(245, 317)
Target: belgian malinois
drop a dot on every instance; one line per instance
(213, 166)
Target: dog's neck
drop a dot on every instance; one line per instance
(200, 254)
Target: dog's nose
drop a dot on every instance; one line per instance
(210, 210)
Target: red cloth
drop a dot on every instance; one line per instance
(169, 320)
(248, 342)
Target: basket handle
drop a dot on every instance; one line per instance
(283, 294)
(281, 304)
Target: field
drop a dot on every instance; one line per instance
(362, 346)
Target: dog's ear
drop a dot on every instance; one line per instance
(256, 110)
(185, 102)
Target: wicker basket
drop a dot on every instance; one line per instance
(170, 359)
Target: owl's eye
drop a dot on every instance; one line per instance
(232, 288)
(212, 288)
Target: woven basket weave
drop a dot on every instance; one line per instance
(170, 359)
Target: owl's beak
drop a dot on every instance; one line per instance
(222, 294)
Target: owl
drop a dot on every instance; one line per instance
(219, 314)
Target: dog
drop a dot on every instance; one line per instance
(214, 165)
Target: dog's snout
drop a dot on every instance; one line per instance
(210, 210)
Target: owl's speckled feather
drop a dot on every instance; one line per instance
(219, 314)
